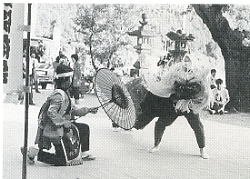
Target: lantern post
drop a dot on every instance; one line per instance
(143, 40)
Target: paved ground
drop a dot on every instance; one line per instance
(124, 154)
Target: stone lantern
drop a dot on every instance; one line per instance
(144, 40)
(179, 44)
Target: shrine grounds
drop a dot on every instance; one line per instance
(123, 154)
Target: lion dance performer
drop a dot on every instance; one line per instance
(182, 90)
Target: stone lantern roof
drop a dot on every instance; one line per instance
(179, 42)
(178, 36)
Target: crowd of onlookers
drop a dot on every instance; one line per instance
(61, 59)
(76, 85)
(219, 95)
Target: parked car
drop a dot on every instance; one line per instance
(45, 74)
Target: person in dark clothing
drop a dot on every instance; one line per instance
(163, 108)
(55, 64)
(76, 84)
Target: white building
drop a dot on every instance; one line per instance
(15, 29)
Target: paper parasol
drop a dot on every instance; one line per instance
(115, 99)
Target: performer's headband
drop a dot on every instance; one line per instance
(64, 74)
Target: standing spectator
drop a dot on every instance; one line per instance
(59, 56)
(21, 95)
(212, 79)
(56, 63)
(76, 84)
(220, 98)
(34, 63)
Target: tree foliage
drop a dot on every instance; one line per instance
(103, 28)
(48, 14)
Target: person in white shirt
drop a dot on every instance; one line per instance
(21, 92)
(33, 66)
(220, 98)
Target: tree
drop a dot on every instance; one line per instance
(102, 29)
(234, 51)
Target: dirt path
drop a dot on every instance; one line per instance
(124, 154)
(237, 119)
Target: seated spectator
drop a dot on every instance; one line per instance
(220, 98)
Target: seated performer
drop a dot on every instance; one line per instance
(70, 139)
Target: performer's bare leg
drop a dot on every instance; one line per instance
(197, 126)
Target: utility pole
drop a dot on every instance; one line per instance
(27, 88)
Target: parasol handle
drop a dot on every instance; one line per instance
(99, 106)
(104, 104)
